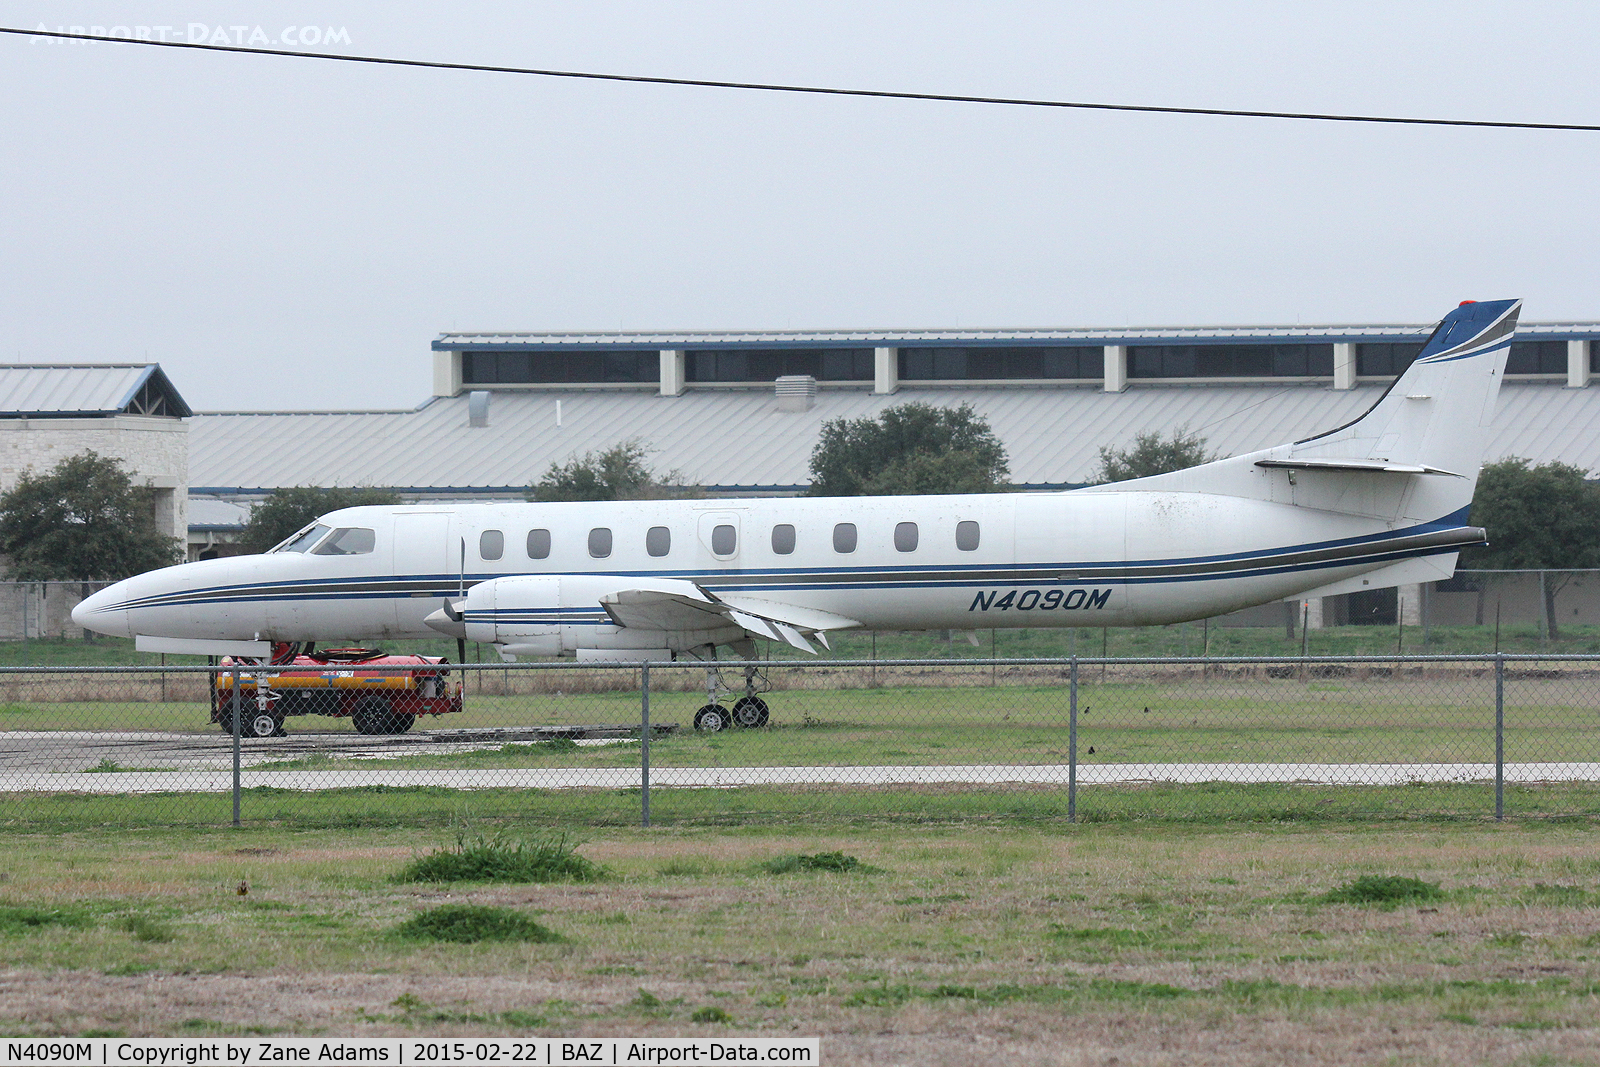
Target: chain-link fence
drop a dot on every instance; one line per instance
(1088, 739)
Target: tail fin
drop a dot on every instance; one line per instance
(1413, 455)
(1436, 415)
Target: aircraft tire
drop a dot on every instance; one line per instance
(750, 712)
(711, 719)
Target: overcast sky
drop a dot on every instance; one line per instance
(292, 234)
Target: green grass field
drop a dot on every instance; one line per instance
(962, 924)
(1169, 923)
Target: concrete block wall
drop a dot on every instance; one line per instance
(154, 451)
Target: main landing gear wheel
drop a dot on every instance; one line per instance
(750, 712)
(711, 719)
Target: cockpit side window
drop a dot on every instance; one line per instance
(352, 541)
(303, 540)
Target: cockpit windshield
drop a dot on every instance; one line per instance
(303, 540)
(352, 541)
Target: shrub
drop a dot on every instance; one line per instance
(821, 861)
(469, 923)
(499, 859)
(20, 919)
(1383, 889)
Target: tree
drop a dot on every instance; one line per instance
(615, 473)
(285, 511)
(83, 520)
(1151, 453)
(909, 449)
(1538, 518)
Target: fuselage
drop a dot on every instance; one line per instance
(905, 562)
(1379, 501)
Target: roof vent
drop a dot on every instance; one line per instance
(478, 407)
(796, 392)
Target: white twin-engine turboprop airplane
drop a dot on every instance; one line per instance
(1381, 501)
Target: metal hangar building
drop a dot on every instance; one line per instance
(739, 412)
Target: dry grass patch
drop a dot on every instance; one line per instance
(1154, 944)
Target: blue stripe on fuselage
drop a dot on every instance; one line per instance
(445, 585)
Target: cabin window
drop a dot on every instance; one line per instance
(967, 536)
(538, 544)
(905, 536)
(658, 541)
(301, 542)
(844, 537)
(724, 540)
(353, 541)
(491, 544)
(783, 539)
(600, 542)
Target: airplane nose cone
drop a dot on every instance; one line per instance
(447, 620)
(101, 612)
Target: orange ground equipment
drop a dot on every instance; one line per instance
(339, 682)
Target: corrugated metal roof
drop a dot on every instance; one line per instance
(41, 390)
(209, 513)
(517, 339)
(738, 437)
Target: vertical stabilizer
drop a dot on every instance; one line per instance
(1414, 455)
(1436, 415)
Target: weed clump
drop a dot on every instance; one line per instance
(20, 919)
(499, 859)
(470, 923)
(711, 1015)
(821, 861)
(1383, 889)
(146, 929)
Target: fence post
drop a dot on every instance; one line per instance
(644, 742)
(1499, 736)
(238, 727)
(1072, 744)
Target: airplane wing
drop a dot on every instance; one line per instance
(693, 608)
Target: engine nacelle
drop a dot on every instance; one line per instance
(555, 614)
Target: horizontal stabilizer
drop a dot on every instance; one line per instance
(1375, 466)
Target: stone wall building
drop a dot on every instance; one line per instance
(49, 412)
(130, 412)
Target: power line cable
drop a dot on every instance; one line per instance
(879, 94)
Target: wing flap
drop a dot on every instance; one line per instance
(757, 626)
(810, 620)
(656, 609)
(684, 607)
